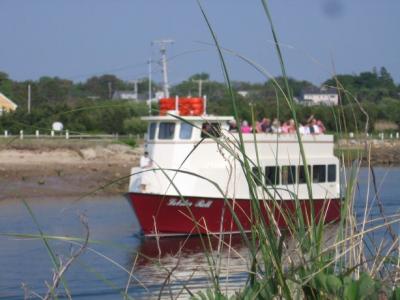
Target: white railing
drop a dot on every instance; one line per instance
(66, 135)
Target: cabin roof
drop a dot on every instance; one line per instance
(172, 117)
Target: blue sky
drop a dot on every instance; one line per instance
(77, 39)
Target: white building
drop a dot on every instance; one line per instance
(324, 95)
(125, 95)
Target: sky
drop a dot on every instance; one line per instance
(77, 39)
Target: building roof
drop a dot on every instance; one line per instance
(7, 102)
(322, 90)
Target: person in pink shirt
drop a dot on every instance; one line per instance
(291, 126)
(321, 126)
(285, 127)
(245, 128)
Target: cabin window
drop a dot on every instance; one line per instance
(302, 174)
(331, 173)
(210, 130)
(319, 173)
(152, 130)
(186, 131)
(272, 175)
(288, 174)
(257, 175)
(166, 131)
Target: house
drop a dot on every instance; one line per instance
(129, 95)
(125, 95)
(323, 95)
(244, 94)
(6, 105)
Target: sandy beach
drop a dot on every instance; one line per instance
(44, 172)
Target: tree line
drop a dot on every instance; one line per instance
(87, 106)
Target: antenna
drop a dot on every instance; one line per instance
(163, 49)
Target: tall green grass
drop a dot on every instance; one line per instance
(315, 269)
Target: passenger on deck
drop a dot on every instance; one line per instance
(276, 126)
(233, 126)
(266, 125)
(291, 126)
(285, 127)
(145, 163)
(245, 128)
(321, 126)
(304, 129)
(258, 128)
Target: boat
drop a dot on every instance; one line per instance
(197, 182)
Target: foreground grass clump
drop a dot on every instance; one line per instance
(351, 267)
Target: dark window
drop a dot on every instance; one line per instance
(210, 129)
(152, 130)
(319, 173)
(288, 174)
(331, 173)
(257, 175)
(272, 175)
(166, 131)
(302, 174)
(186, 131)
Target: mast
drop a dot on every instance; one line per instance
(163, 50)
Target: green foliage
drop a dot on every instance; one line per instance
(56, 99)
(84, 116)
(135, 125)
(367, 86)
(130, 142)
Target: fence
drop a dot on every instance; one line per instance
(376, 136)
(67, 135)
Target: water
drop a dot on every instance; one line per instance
(102, 272)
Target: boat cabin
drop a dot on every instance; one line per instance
(183, 143)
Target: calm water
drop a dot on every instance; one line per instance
(102, 272)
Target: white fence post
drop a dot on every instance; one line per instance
(66, 134)
(382, 135)
(391, 136)
(21, 134)
(37, 134)
(52, 133)
(397, 135)
(351, 135)
(5, 133)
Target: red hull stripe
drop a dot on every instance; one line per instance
(170, 215)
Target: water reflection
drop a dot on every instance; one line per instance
(177, 264)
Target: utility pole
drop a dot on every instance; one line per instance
(135, 88)
(109, 90)
(200, 82)
(163, 49)
(150, 94)
(29, 98)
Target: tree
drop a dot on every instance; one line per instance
(5, 85)
(104, 86)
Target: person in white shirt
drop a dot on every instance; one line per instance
(145, 163)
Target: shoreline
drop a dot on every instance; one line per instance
(373, 152)
(59, 172)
